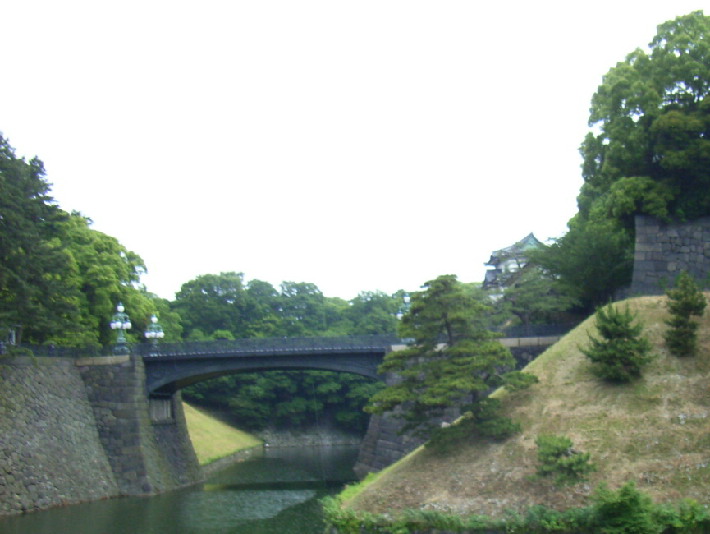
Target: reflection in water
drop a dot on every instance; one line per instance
(277, 493)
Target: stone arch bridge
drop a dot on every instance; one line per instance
(170, 367)
(136, 402)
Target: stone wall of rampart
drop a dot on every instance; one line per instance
(662, 251)
(145, 457)
(80, 430)
(50, 451)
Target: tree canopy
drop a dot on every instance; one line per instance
(648, 153)
(224, 305)
(32, 265)
(60, 280)
(104, 273)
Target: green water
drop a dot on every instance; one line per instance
(276, 493)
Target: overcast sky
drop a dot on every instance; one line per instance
(360, 145)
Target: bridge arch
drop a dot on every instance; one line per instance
(175, 367)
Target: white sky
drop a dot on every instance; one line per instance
(358, 145)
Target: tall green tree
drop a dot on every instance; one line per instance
(648, 153)
(374, 312)
(59, 278)
(652, 121)
(590, 262)
(263, 310)
(336, 320)
(34, 270)
(533, 297)
(302, 309)
(452, 361)
(105, 273)
(213, 302)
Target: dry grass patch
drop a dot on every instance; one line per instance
(654, 431)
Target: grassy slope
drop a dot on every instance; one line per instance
(213, 439)
(655, 431)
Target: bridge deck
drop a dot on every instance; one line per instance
(269, 347)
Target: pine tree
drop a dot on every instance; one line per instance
(557, 458)
(453, 359)
(621, 351)
(684, 301)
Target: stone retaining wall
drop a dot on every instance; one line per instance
(145, 457)
(50, 451)
(662, 251)
(80, 430)
(315, 436)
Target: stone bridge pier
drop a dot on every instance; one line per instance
(145, 438)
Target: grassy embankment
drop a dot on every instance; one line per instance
(213, 439)
(654, 431)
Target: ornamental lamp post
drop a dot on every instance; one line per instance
(154, 332)
(402, 312)
(405, 308)
(120, 322)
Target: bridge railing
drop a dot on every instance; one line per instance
(536, 330)
(268, 346)
(246, 346)
(263, 345)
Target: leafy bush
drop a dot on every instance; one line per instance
(490, 423)
(557, 458)
(15, 351)
(543, 519)
(622, 351)
(684, 301)
(625, 511)
(689, 517)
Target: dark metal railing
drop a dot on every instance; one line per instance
(255, 346)
(536, 330)
(282, 345)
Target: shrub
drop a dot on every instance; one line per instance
(688, 517)
(557, 458)
(622, 351)
(482, 421)
(15, 351)
(491, 424)
(684, 301)
(542, 519)
(625, 511)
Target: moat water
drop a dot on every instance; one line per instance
(275, 492)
